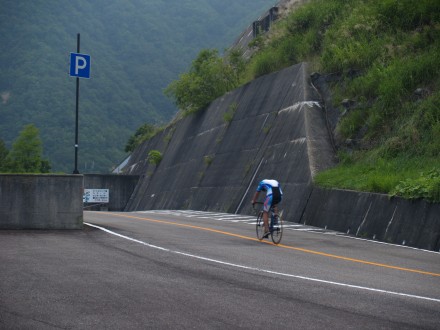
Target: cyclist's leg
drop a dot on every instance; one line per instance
(275, 202)
(266, 208)
(277, 231)
(275, 209)
(266, 224)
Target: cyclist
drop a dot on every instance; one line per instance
(274, 195)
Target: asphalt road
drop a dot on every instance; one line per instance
(192, 270)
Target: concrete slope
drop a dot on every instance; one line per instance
(209, 163)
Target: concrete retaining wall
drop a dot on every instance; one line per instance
(120, 188)
(41, 201)
(277, 131)
(375, 216)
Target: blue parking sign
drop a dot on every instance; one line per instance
(79, 65)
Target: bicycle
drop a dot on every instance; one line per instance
(275, 225)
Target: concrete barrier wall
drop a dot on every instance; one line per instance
(375, 216)
(41, 201)
(120, 188)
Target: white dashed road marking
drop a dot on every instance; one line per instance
(234, 218)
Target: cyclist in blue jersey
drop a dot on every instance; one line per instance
(274, 195)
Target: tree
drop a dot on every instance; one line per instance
(237, 65)
(3, 154)
(209, 77)
(26, 153)
(143, 133)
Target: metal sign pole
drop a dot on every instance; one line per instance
(75, 171)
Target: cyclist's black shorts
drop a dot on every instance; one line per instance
(276, 195)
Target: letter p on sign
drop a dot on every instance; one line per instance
(79, 65)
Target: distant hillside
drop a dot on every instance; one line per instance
(137, 47)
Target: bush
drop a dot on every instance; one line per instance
(208, 160)
(209, 77)
(228, 116)
(427, 186)
(143, 133)
(154, 157)
(266, 62)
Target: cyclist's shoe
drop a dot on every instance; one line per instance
(266, 234)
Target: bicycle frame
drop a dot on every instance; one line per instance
(275, 225)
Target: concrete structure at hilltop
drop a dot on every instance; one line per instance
(210, 162)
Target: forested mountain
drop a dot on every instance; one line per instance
(137, 48)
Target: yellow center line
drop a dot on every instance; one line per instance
(360, 261)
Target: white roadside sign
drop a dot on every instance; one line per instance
(96, 196)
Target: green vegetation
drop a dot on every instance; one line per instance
(25, 155)
(208, 159)
(209, 77)
(387, 53)
(143, 133)
(229, 115)
(3, 153)
(154, 157)
(406, 176)
(427, 186)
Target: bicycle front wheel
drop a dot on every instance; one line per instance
(277, 230)
(260, 226)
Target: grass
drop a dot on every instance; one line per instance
(228, 116)
(395, 48)
(208, 160)
(405, 175)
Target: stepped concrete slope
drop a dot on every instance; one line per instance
(278, 130)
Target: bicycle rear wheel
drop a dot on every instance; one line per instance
(259, 226)
(277, 230)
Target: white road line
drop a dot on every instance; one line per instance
(265, 270)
